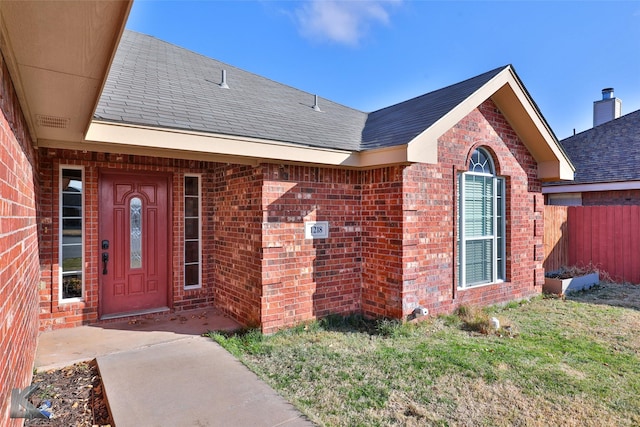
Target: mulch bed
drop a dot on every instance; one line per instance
(76, 395)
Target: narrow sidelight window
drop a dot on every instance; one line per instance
(71, 234)
(481, 246)
(192, 232)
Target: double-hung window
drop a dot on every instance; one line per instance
(481, 211)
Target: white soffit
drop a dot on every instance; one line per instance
(58, 54)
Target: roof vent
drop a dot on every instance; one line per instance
(315, 107)
(47, 121)
(224, 84)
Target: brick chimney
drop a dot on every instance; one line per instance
(607, 109)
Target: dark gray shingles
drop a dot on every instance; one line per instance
(607, 153)
(158, 84)
(155, 83)
(400, 123)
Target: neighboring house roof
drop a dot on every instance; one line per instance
(609, 153)
(162, 97)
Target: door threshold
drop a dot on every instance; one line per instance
(135, 313)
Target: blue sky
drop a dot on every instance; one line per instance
(372, 54)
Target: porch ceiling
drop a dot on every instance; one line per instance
(58, 54)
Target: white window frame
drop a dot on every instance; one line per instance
(184, 263)
(499, 229)
(60, 234)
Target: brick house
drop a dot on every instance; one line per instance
(179, 182)
(605, 159)
(220, 175)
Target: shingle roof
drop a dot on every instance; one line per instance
(155, 83)
(400, 123)
(606, 153)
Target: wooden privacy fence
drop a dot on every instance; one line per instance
(607, 237)
(556, 239)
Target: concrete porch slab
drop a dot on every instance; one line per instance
(159, 371)
(64, 347)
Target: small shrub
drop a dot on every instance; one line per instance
(474, 319)
(478, 320)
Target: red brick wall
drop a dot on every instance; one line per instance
(237, 219)
(53, 313)
(382, 242)
(430, 217)
(19, 271)
(429, 229)
(392, 235)
(407, 231)
(606, 198)
(309, 278)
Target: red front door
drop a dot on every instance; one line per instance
(134, 242)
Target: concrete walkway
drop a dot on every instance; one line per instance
(160, 371)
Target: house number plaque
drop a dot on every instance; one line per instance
(316, 229)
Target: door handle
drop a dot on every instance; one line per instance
(105, 261)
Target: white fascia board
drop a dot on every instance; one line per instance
(424, 148)
(586, 188)
(225, 145)
(565, 169)
(228, 147)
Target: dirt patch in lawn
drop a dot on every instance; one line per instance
(76, 395)
(615, 294)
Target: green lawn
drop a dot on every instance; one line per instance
(560, 362)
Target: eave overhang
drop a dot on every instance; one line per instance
(505, 89)
(590, 187)
(510, 96)
(58, 54)
(229, 148)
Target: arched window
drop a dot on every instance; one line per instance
(481, 209)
